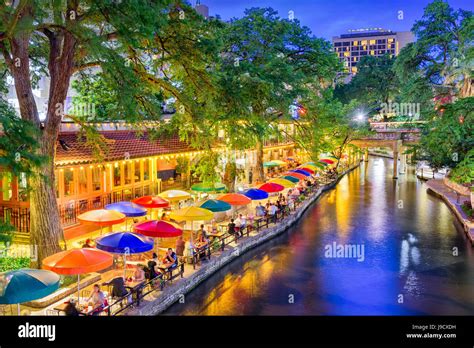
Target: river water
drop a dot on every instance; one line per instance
(409, 257)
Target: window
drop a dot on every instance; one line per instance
(82, 180)
(22, 188)
(137, 172)
(372, 53)
(363, 42)
(127, 171)
(372, 42)
(117, 175)
(96, 178)
(7, 192)
(346, 54)
(355, 43)
(390, 40)
(337, 44)
(146, 169)
(69, 182)
(354, 69)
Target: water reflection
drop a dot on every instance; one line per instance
(408, 237)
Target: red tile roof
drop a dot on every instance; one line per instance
(120, 142)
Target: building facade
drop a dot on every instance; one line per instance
(351, 47)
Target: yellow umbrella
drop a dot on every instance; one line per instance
(283, 182)
(175, 195)
(192, 214)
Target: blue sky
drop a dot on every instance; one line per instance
(328, 18)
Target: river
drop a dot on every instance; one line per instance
(413, 257)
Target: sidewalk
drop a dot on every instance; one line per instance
(450, 197)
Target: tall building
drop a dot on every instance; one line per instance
(350, 48)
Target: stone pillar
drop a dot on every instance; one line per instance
(403, 163)
(395, 164)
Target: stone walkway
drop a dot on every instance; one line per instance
(454, 202)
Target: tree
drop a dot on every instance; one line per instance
(374, 84)
(444, 48)
(269, 63)
(141, 48)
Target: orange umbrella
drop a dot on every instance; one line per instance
(235, 199)
(152, 202)
(78, 261)
(101, 217)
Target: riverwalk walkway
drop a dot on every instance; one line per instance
(454, 200)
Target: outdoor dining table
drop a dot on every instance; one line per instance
(135, 288)
(83, 309)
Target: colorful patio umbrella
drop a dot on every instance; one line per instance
(309, 170)
(255, 194)
(326, 160)
(124, 243)
(270, 164)
(129, 209)
(310, 166)
(331, 157)
(192, 214)
(283, 182)
(26, 284)
(215, 205)
(202, 187)
(158, 229)
(151, 202)
(235, 199)
(101, 218)
(300, 171)
(174, 195)
(293, 179)
(271, 187)
(296, 175)
(324, 164)
(280, 163)
(78, 261)
(309, 163)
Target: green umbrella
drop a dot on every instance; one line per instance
(270, 164)
(290, 178)
(203, 187)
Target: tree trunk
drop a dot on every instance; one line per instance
(259, 175)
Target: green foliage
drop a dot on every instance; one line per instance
(464, 171)
(13, 263)
(448, 138)
(206, 168)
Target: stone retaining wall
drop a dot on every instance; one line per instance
(174, 292)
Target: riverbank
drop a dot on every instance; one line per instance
(158, 301)
(440, 190)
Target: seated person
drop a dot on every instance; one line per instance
(139, 274)
(71, 309)
(118, 287)
(170, 260)
(88, 243)
(97, 300)
(231, 227)
(152, 266)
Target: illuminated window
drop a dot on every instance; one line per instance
(7, 192)
(372, 53)
(372, 42)
(363, 42)
(354, 43)
(137, 173)
(364, 48)
(96, 178)
(69, 189)
(82, 180)
(390, 40)
(127, 170)
(117, 175)
(354, 69)
(146, 169)
(347, 54)
(354, 59)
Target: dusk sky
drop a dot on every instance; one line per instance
(328, 18)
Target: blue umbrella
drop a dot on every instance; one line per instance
(255, 194)
(26, 284)
(300, 171)
(129, 209)
(215, 205)
(124, 243)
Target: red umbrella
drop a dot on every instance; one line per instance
(271, 187)
(235, 199)
(307, 170)
(151, 202)
(328, 161)
(158, 229)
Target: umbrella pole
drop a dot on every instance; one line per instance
(78, 290)
(124, 266)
